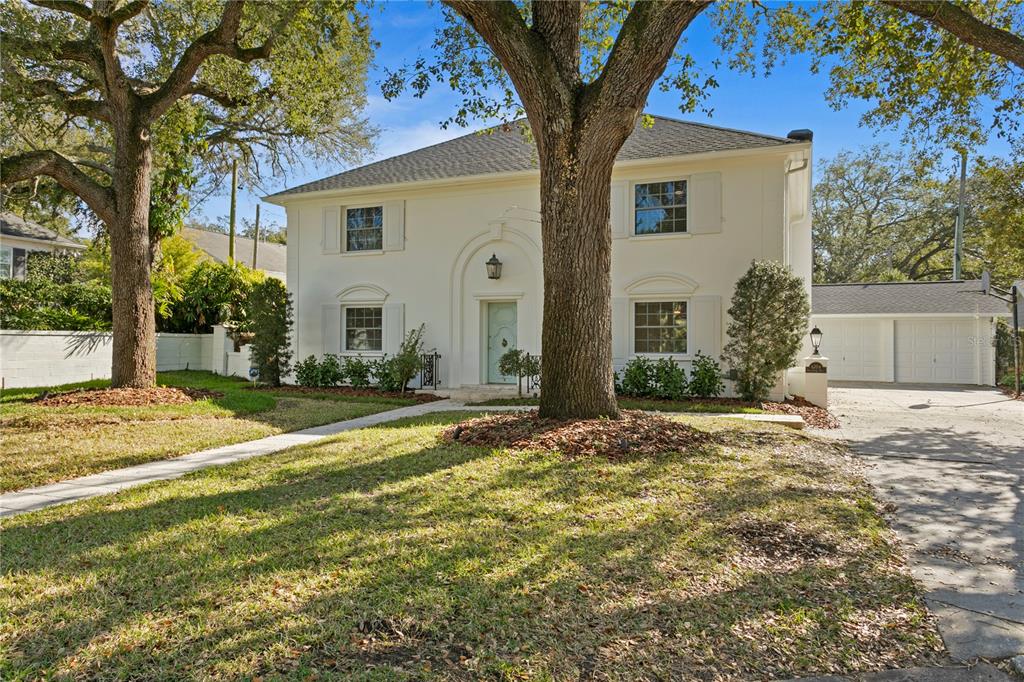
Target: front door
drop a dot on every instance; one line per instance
(501, 338)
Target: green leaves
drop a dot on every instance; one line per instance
(768, 318)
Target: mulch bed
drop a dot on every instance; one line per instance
(636, 434)
(815, 417)
(353, 392)
(126, 397)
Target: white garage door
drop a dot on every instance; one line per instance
(853, 349)
(935, 351)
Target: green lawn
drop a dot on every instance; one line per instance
(642, 404)
(382, 555)
(47, 444)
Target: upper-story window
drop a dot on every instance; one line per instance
(660, 207)
(364, 228)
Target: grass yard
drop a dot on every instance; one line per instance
(46, 444)
(625, 403)
(382, 555)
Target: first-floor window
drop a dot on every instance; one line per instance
(6, 262)
(659, 327)
(364, 329)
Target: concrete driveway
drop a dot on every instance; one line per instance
(951, 461)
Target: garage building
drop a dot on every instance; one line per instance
(914, 332)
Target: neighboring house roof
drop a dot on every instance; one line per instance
(504, 149)
(12, 225)
(900, 298)
(270, 258)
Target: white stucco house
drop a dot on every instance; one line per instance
(19, 237)
(908, 332)
(377, 250)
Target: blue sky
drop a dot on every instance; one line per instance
(790, 98)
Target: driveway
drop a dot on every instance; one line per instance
(951, 461)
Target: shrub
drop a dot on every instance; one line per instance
(518, 363)
(35, 303)
(59, 267)
(307, 372)
(357, 370)
(706, 377)
(638, 378)
(669, 380)
(270, 308)
(408, 361)
(331, 372)
(769, 314)
(1003, 342)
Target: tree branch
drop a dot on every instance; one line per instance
(222, 40)
(127, 11)
(32, 164)
(524, 54)
(641, 52)
(961, 23)
(69, 6)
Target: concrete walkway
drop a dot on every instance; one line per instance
(951, 462)
(31, 499)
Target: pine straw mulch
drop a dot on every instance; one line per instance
(815, 417)
(348, 391)
(636, 434)
(126, 397)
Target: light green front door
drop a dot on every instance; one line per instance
(501, 337)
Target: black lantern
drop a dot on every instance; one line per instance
(816, 339)
(494, 268)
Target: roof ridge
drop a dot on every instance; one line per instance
(399, 156)
(724, 128)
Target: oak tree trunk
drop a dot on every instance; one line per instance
(134, 323)
(575, 178)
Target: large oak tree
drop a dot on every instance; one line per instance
(118, 100)
(582, 71)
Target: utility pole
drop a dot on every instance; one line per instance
(231, 218)
(958, 238)
(256, 237)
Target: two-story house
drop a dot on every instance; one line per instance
(377, 250)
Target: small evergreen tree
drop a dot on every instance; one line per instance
(769, 315)
(270, 308)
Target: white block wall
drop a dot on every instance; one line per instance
(49, 358)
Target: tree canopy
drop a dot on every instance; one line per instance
(887, 215)
(949, 73)
(288, 84)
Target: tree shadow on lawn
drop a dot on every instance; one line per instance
(471, 562)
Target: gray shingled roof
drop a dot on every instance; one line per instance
(503, 149)
(270, 258)
(904, 297)
(15, 226)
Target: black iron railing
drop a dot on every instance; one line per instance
(430, 370)
(529, 373)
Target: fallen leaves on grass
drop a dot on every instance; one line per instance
(780, 540)
(163, 395)
(635, 434)
(816, 417)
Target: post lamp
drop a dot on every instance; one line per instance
(493, 267)
(816, 339)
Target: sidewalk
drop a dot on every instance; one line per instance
(31, 499)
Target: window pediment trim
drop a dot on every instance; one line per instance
(362, 293)
(661, 284)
